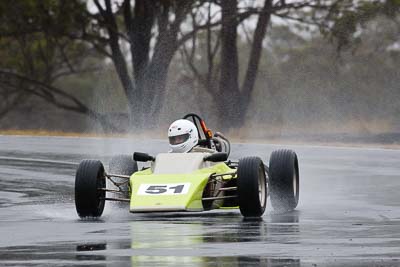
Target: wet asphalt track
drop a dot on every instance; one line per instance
(349, 213)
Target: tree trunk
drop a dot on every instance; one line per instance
(146, 109)
(254, 59)
(232, 101)
(145, 90)
(139, 32)
(227, 98)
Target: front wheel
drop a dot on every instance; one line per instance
(284, 180)
(251, 187)
(90, 182)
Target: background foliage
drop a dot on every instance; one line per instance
(323, 70)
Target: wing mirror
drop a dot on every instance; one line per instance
(217, 157)
(142, 157)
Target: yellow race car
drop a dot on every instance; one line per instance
(201, 180)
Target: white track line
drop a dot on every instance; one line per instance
(38, 160)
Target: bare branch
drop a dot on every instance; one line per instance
(187, 36)
(50, 94)
(194, 70)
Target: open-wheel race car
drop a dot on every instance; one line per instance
(200, 180)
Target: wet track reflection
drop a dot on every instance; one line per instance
(349, 213)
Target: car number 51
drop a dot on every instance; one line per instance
(163, 189)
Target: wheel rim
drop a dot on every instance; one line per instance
(295, 184)
(101, 183)
(261, 187)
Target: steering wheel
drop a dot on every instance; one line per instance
(197, 120)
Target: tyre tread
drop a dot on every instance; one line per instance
(283, 163)
(87, 198)
(247, 184)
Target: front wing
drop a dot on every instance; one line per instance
(170, 192)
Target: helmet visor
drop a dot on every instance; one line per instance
(178, 139)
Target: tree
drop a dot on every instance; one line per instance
(137, 26)
(229, 88)
(344, 19)
(231, 94)
(36, 54)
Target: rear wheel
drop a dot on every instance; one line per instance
(284, 180)
(123, 165)
(251, 187)
(89, 180)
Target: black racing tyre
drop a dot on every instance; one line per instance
(124, 165)
(284, 180)
(251, 187)
(89, 178)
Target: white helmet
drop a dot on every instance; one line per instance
(183, 136)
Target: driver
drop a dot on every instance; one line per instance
(183, 136)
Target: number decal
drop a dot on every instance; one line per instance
(156, 189)
(177, 189)
(163, 189)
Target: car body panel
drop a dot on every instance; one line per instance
(171, 192)
(177, 163)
